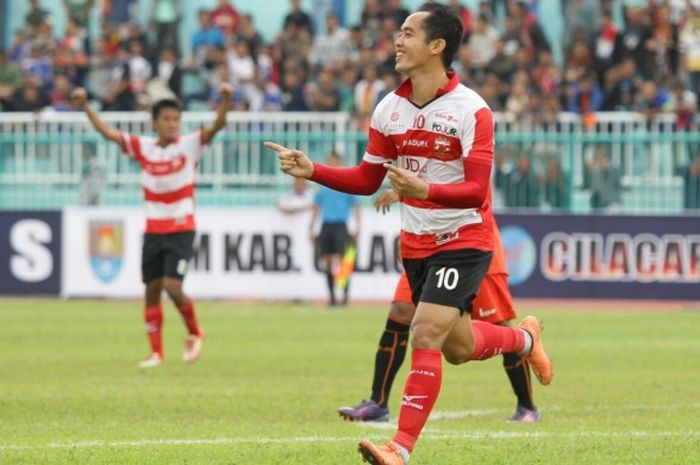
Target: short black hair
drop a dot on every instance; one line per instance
(162, 105)
(443, 23)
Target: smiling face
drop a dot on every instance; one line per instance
(413, 49)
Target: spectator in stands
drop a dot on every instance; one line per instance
(298, 18)
(295, 43)
(297, 200)
(29, 97)
(395, 10)
(327, 95)
(604, 45)
(120, 96)
(690, 50)
(517, 105)
(165, 16)
(581, 21)
(36, 16)
(371, 21)
(556, 191)
(522, 189)
(100, 75)
(293, 98)
(59, 98)
(587, 96)
(39, 64)
(367, 91)
(651, 100)
(250, 35)
(78, 11)
(226, 17)
(684, 103)
(117, 11)
(21, 47)
(346, 88)
(465, 15)
(265, 96)
(622, 86)
(332, 46)
(206, 37)
(240, 62)
(10, 78)
(140, 70)
(483, 43)
(663, 46)
(691, 183)
(532, 36)
(633, 40)
(168, 70)
(502, 65)
(603, 180)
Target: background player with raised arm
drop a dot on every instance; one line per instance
(440, 134)
(168, 166)
(493, 303)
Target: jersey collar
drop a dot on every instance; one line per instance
(404, 90)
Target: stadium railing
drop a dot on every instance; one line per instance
(619, 162)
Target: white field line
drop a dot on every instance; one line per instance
(429, 435)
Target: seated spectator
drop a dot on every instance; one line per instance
(240, 62)
(60, 96)
(252, 37)
(21, 47)
(293, 98)
(120, 96)
(10, 78)
(30, 96)
(327, 95)
(299, 18)
(226, 17)
(140, 70)
(100, 74)
(207, 36)
(39, 64)
(367, 91)
(586, 97)
(651, 100)
(603, 181)
(622, 84)
(169, 71)
(332, 46)
(483, 43)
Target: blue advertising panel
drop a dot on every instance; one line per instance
(630, 257)
(30, 252)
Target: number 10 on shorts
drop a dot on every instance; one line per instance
(447, 278)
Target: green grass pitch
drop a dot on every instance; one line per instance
(626, 389)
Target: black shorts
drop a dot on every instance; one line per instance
(449, 278)
(166, 255)
(333, 239)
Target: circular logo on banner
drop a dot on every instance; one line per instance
(521, 253)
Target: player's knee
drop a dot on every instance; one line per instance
(459, 355)
(173, 288)
(427, 335)
(402, 312)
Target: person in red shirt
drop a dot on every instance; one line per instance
(493, 303)
(168, 168)
(435, 139)
(226, 17)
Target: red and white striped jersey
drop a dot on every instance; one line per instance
(168, 179)
(433, 141)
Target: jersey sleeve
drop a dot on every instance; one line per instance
(131, 145)
(193, 145)
(380, 148)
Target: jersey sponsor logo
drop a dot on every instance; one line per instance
(446, 117)
(413, 165)
(446, 237)
(106, 248)
(442, 145)
(161, 168)
(417, 143)
(445, 129)
(486, 312)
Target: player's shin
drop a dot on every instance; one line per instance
(154, 323)
(491, 340)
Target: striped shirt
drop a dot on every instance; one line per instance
(435, 141)
(168, 179)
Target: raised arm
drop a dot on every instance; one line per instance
(79, 98)
(210, 130)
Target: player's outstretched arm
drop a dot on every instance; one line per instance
(363, 179)
(210, 130)
(79, 98)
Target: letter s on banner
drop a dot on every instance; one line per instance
(32, 261)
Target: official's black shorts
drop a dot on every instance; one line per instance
(449, 278)
(333, 239)
(166, 255)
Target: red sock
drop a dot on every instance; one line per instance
(492, 340)
(154, 323)
(188, 315)
(419, 395)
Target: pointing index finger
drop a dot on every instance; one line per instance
(392, 168)
(276, 147)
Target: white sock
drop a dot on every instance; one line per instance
(528, 343)
(405, 454)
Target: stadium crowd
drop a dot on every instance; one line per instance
(650, 64)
